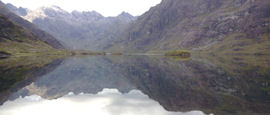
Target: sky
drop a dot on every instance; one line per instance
(105, 7)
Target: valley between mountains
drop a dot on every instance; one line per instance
(198, 26)
(181, 57)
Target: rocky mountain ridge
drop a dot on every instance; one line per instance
(79, 30)
(238, 26)
(42, 35)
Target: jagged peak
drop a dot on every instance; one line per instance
(44, 11)
(51, 7)
(126, 14)
(88, 14)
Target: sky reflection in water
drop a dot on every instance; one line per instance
(106, 102)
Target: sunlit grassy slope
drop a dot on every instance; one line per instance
(240, 44)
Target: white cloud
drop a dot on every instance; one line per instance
(107, 102)
(105, 7)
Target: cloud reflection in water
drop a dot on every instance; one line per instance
(106, 102)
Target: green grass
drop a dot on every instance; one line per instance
(178, 58)
(38, 48)
(117, 53)
(181, 53)
(30, 48)
(85, 53)
(240, 44)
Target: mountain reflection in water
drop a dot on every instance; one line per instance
(106, 102)
(226, 85)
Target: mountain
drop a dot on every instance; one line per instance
(29, 27)
(16, 40)
(78, 30)
(227, 26)
(19, 11)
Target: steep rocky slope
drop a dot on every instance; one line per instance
(234, 26)
(43, 36)
(78, 30)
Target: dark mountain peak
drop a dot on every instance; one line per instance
(86, 15)
(92, 13)
(125, 16)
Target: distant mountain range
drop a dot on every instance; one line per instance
(227, 27)
(224, 26)
(77, 30)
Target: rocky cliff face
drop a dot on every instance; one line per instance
(79, 30)
(40, 34)
(199, 24)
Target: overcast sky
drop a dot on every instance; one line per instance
(105, 7)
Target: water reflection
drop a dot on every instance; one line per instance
(219, 88)
(106, 102)
(16, 73)
(212, 84)
(88, 75)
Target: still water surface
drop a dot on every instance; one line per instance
(135, 85)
